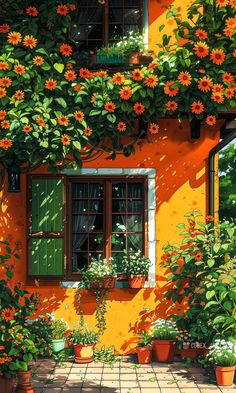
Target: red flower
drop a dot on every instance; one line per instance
(198, 256)
(32, 11)
(85, 73)
(171, 106)
(210, 120)
(62, 10)
(110, 107)
(197, 107)
(153, 128)
(139, 108)
(170, 90)
(4, 28)
(125, 93)
(5, 144)
(66, 50)
(217, 56)
(70, 75)
(121, 126)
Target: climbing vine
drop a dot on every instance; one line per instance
(54, 113)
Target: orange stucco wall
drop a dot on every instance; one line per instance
(181, 168)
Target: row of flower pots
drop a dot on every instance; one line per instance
(23, 383)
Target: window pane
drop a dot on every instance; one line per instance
(95, 255)
(116, 15)
(95, 31)
(131, 17)
(115, 32)
(128, 28)
(80, 190)
(118, 257)
(96, 190)
(118, 206)
(80, 260)
(135, 223)
(80, 223)
(80, 206)
(135, 242)
(118, 242)
(135, 206)
(96, 242)
(119, 190)
(135, 190)
(118, 223)
(80, 243)
(96, 223)
(96, 206)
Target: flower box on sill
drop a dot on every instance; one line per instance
(103, 59)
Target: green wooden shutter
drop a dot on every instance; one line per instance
(46, 227)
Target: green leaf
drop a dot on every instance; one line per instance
(210, 294)
(181, 226)
(218, 319)
(61, 102)
(77, 145)
(228, 305)
(210, 262)
(59, 67)
(216, 247)
(161, 27)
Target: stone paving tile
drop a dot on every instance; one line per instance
(110, 377)
(170, 390)
(190, 390)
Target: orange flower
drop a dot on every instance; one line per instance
(32, 11)
(62, 10)
(63, 120)
(201, 34)
(198, 256)
(209, 218)
(3, 92)
(151, 81)
(38, 60)
(229, 92)
(217, 88)
(72, 7)
(7, 313)
(228, 31)
(171, 106)
(65, 139)
(110, 107)
(27, 128)
(118, 79)
(5, 81)
(185, 78)
(30, 41)
(170, 90)
(234, 53)
(70, 75)
(50, 84)
(69, 66)
(94, 98)
(121, 126)
(14, 38)
(227, 77)
(78, 87)
(152, 65)
(201, 49)
(153, 128)
(85, 73)
(88, 131)
(3, 114)
(40, 121)
(66, 50)
(139, 108)
(231, 22)
(19, 94)
(79, 116)
(197, 107)
(5, 144)
(137, 75)
(217, 56)
(5, 124)
(125, 93)
(232, 3)
(101, 73)
(205, 84)
(210, 120)
(19, 69)
(222, 3)
(4, 28)
(217, 97)
(3, 65)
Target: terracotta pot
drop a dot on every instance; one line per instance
(190, 353)
(164, 350)
(137, 281)
(202, 351)
(84, 353)
(144, 354)
(6, 384)
(107, 282)
(224, 375)
(134, 58)
(23, 382)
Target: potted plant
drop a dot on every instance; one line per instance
(41, 332)
(222, 354)
(99, 274)
(186, 344)
(136, 266)
(84, 341)
(144, 348)
(110, 54)
(24, 351)
(58, 339)
(133, 46)
(164, 336)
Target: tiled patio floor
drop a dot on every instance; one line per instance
(125, 377)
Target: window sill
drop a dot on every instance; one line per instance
(122, 284)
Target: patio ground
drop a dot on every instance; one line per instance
(125, 377)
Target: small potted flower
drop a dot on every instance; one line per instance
(222, 354)
(99, 274)
(133, 46)
(58, 339)
(144, 348)
(24, 351)
(186, 344)
(84, 341)
(110, 54)
(136, 266)
(164, 336)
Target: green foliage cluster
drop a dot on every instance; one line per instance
(227, 186)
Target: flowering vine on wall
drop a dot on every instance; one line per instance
(53, 112)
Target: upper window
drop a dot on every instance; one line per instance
(99, 24)
(95, 216)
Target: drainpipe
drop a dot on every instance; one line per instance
(211, 169)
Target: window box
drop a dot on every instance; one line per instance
(103, 59)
